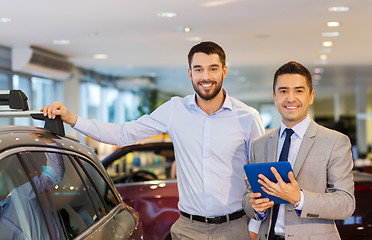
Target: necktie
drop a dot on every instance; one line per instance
(283, 157)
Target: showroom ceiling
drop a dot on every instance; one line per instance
(258, 36)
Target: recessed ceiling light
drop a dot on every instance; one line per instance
(100, 56)
(327, 44)
(5, 20)
(217, 3)
(183, 29)
(166, 14)
(333, 24)
(61, 42)
(193, 39)
(339, 9)
(330, 34)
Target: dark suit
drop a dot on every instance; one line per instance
(323, 169)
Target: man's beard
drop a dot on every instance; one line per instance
(208, 96)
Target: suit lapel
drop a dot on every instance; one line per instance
(273, 145)
(305, 147)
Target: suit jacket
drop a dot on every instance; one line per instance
(323, 169)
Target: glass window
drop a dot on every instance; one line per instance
(143, 165)
(45, 91)
(4, 81)
(90, 100)
(24, 84)
(130, 102)
(4, 85)
(59, 183)
(101, 185)
(21, 215)
(111, 97)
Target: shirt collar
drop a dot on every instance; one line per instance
(299, 129)
(191, 100)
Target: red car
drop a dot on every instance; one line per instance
(143, 186)
(141, 174)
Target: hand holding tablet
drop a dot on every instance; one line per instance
(254, 169)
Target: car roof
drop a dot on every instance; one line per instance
(22, 136)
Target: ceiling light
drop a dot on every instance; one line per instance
(330, 34)
(338, 9)
(166, 14)
(100, 56)
(333, 24)
(5, 20)
(323, 57)
(327, 44)
(183, 29)
(61, 42)
(218, 3)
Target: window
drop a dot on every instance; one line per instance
(4, 85)
(142, 165)
(24, 84)
(45, 91)
(4, 81)
(22, 217)
(102, 186)
(63, 192)
(90, 101)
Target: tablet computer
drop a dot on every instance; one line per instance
(252, 171)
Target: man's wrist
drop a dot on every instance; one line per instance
(296, 203)
(299, 203)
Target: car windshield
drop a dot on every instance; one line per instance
(141, 165)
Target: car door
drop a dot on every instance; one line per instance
(51, 195)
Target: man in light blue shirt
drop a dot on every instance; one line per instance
(211, 133)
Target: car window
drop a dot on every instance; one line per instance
(66, 192)
(101, 185)
(20, 214)
(157, 162)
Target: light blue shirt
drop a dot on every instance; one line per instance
(210, 150)
(296, 140)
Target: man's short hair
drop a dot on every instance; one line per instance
(294, 68)
(207, 48)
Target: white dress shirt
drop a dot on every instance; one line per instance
(210, 150)
(296, 140)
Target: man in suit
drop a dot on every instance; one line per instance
(321, 187)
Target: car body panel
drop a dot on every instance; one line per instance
(121, 222)
(156, 202)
